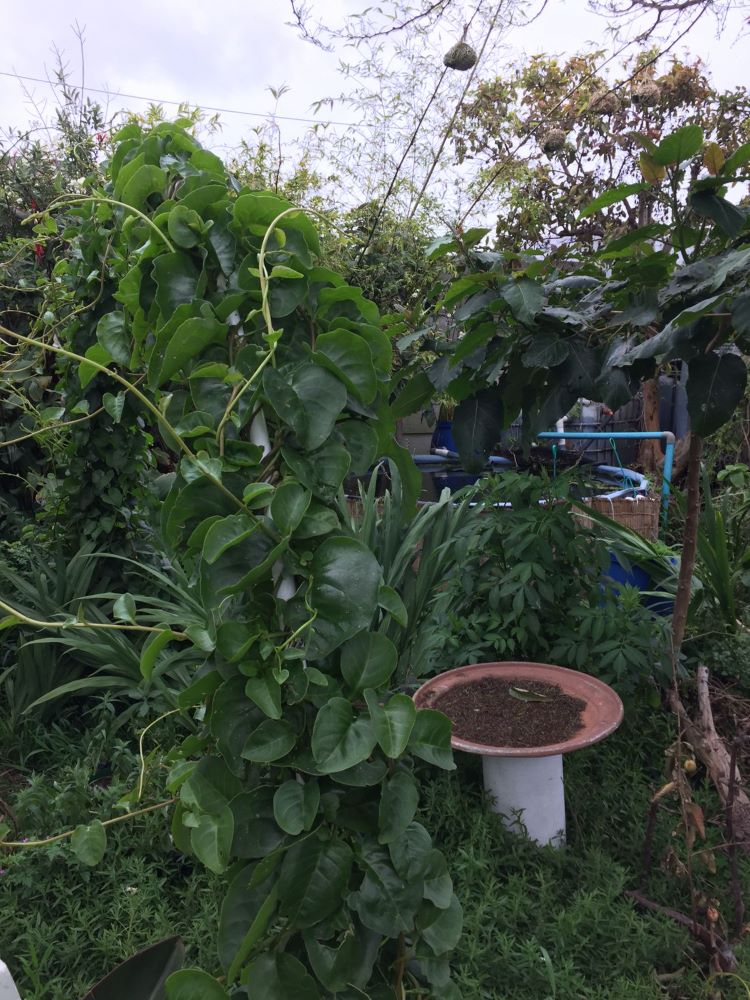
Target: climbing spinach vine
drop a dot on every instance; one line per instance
(204, 323)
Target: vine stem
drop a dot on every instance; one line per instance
(267, 319)
(106, 822)
(51, 427)
(297, 632)
(35, 623)
(151, 407)
(76, 200)
(141, 756)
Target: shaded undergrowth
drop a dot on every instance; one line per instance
(539, 924)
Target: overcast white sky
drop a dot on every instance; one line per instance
(227, 52)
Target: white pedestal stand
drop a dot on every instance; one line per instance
(529, 795)
(8, 989)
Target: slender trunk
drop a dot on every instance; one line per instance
(650, 456)
(689, 544)
(700, 731)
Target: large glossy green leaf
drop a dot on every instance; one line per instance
(210, 785)
(545, 351)
(177, 280)
(289, 505)
(233, 717)
(385, 902)
(477, 424)
(738, 159)
(727, 216)
(431, 738)
(225, 533)
(271, 740)
(361, 441)
(256, 210)
(87, 372)
(715, 388)
(186, 345)
(349, 358)
(321, 471)
(681, 145)
(314, 876)
(417, 392)
(265, 691)
(411, 852)
(611, 197)
(185, 226)
(279, 976)
(89, 842)
(525, 298)
(309, 401)
(348, 302)
(393, 722)
(340, 741)
(441, 929)
(368, 661)
(398, 804)
(211, 839)
(345, 962)
(343, 592)
(143, 975)
(245, 561)
(243, 904)
(145, 181)
(256, 833)
(113, 335)
(194, 984)
(295, 805)
(438, 885)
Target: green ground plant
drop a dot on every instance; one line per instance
(539, 923)
(532, 585)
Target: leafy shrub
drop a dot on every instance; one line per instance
(531, 588)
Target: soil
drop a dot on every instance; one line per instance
(496, 712)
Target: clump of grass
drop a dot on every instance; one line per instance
(542, 924)
(64, 925)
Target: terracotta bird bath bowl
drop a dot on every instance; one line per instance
(525, 782)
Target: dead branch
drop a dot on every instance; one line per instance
(720, 950)
(710, 748)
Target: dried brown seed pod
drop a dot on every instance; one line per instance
(552, 141)
(645, 93)
(461, 57)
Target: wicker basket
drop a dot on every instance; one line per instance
(640, 514)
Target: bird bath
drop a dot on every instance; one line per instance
(526, 783)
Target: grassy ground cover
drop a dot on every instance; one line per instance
(539, 924)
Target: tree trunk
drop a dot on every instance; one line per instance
(689, 544)
(701, 732)
(650, 456)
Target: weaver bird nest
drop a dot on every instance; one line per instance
(605, 103)
(461, 57)
(552, 141)
(645, 93)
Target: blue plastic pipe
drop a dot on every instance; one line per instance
(666, 436)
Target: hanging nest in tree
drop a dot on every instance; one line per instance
(605, 103)
(461, 57)
(553, 141)
(645, 93)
